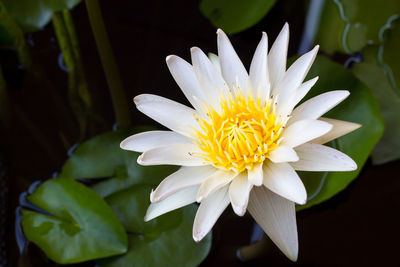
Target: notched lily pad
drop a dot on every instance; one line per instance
(80, 225)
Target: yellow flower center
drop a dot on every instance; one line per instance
(241, 134)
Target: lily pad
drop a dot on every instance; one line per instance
(164, 241)
(380, 70)
(80, 225)
(360, 107)
(349, 25)
(235, 15)
(32, 15)
(101, 157)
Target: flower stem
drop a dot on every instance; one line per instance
(109, 65)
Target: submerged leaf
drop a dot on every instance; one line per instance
(235, 15)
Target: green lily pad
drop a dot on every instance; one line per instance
(32, 15)
(235, 15)
(81, 226)
(360, 107)
(164, 241)
(380, 70)
(348, 25)
(101, 157)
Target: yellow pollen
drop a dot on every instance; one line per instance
(241, 135)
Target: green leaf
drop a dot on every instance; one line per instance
(32, 15)
(81, 226)
(380, 70)
(360, 107)
(101, 157)
(348, 25)
(164, 241)
(235, 15)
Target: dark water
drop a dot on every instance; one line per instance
(353, 228)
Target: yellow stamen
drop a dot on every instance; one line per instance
(242, 134)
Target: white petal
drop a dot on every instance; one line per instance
(303, 131)
(210, 80)
(339, 129)
(176, 154)
(239, 191)
(148, 140)
(256, 174)
(233, 71)
(185, 77)
(277, 217)
(315, 157)
(286, 108)
(215, 61)
(283, 154)
(215, 181)
(295, 75)
(171, 114)
(277, 57)
(303, 89)
(283, 180)
(209, 211)
(259, 76)
(183, 178)
(318, 106)
(173, 202)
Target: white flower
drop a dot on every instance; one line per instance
(244, 140)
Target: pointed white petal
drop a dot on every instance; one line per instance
(215, 181)
(315, 157)
(277, 57)
(233, 71)
(303, 89)
(282, 179)
(210, 80)
(215, 61)
(185, 77)
(148, 140)
(286, 108)
(173, 202)
(339, 129)
(318, 106)
(277, 217)
(183, 178)
(256, 174)
(175, 154)
(259, 76)
(303, 131)
(283, 154)
(295, 75)
(171, 114)
(209, 211)
(239, 191)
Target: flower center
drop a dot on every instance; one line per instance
(241, 134)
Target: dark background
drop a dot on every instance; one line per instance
(359, 226)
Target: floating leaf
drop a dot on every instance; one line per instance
(101, 157)
(348, 25)
(235, 15)
(164, 241)
(32, 15)
(80, 227)
(360, 107)
(380, 70)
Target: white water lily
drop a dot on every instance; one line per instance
(244, 140)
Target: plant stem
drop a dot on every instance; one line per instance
(109, 65)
